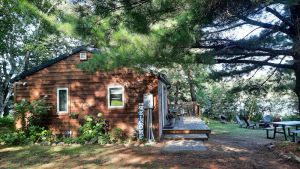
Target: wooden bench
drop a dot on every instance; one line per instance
(294, 134)
(268, 129)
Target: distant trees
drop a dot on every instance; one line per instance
(26, 40)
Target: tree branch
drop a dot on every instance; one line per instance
(133, 5)
(272, 73)
(247, 47)
(228, 28)
(241, 55)
(256, 62)
(264, 25)
(279, 16)
(237, 72)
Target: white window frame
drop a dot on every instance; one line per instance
(108, 96)
(83, 56)
(57, 100)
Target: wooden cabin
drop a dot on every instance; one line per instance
(70, 90)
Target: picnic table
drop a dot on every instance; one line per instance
(284, 124)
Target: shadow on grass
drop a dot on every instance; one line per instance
(96, 156)
(36, 155)
(233, 151)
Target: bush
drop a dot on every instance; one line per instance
(94, 129)
(38, 109)
(16, 138)
(104, 139)
(39, 134)
(117, 135)
(291, 117)
(7, 122)
(71, 140)
(31, 112)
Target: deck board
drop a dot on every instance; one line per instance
(189, 123)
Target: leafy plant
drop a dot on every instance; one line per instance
(7, 122)
(74, 115)
(94, 129)
(31, 114)
(104, 139)
(21, 109)
(15, 138)
(117, 135)
(39, 134)
(291, 117)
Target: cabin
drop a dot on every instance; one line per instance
(70, 90)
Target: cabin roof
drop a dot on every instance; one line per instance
(50, 62)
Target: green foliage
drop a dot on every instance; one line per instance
(71, 140)
(7, 122)
(117, 135)
(104, 139)
(31, 113)
(15, 138)
(35, 134)
(217, 100)
(253, 109)
(94, 129)
(290, 117)
(39, 134)
(21, 109)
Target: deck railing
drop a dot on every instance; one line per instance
(186, 109)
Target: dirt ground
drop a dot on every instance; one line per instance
(223, 152)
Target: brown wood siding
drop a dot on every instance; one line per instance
(88, 94)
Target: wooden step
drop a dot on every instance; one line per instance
(187, 131)
(202, 137)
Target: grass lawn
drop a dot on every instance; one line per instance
(229, 147)
(232, 129)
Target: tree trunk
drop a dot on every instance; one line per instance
(297, 86)
(191, 86)
(176, 93)
(2, 107)
(295, 18)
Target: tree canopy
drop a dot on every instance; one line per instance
(162, 32)
(151, 34)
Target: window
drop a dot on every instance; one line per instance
(83, 56)
(115, 97)
(62, 100)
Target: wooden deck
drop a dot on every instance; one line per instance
(187, 127)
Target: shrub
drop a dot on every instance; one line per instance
(93, 128)
(7, 122)
(21, 109)
(71, 140)
(291, 117)
(39, 134)
(30, 113)
(104, 139)
(38, 109)
(16, 138)
(117, 135)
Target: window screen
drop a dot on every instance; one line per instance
(62, 100)
(116, 97)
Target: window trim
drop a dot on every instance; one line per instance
(108, 97)
(57, 100)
